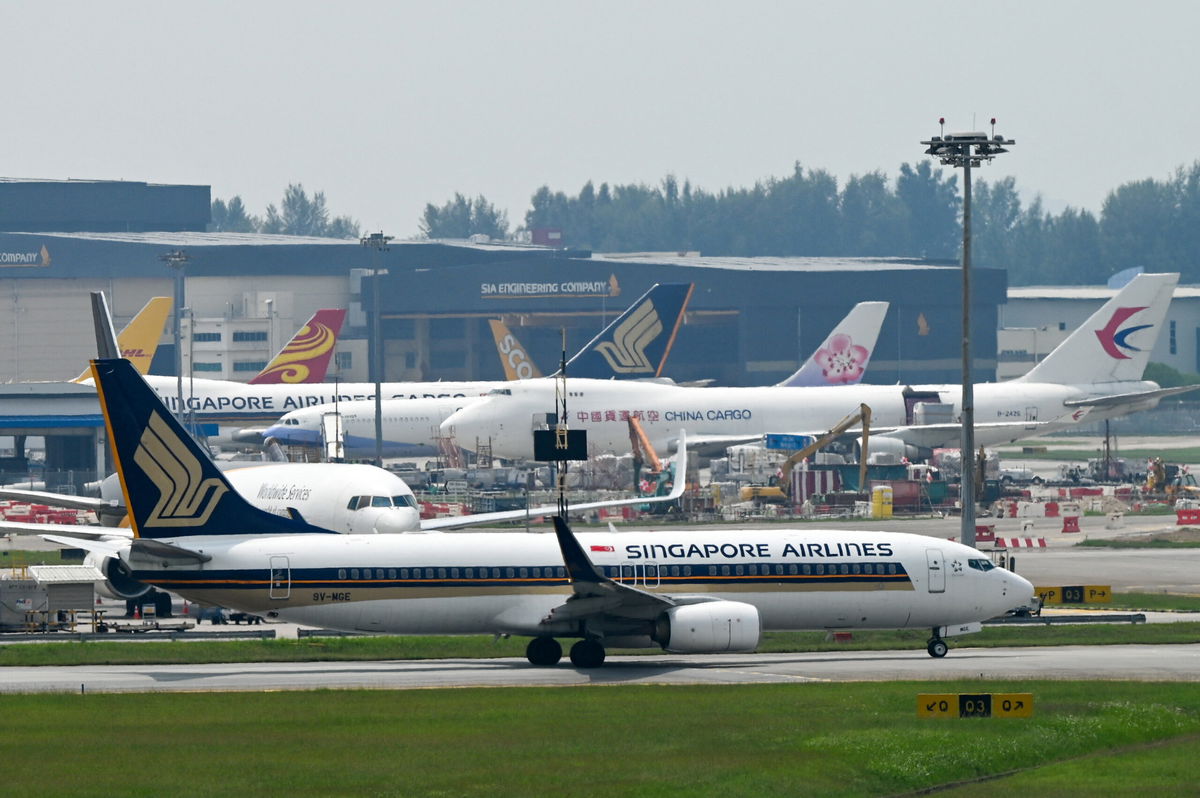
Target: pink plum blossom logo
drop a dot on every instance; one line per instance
(844, 361)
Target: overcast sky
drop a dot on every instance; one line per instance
(388, 106)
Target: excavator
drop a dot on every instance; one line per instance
(657, 479)
(782, 489)
(863, 415)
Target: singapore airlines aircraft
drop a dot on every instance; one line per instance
(688, 592)
(411, 426)
(635, 345)
(1095, 373)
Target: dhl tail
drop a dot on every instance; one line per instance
(139, 340)
(513, 355)
(305, 358)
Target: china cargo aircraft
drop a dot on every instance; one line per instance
(1095, 373)
(411, 427)
(687, 592)
(634, 346)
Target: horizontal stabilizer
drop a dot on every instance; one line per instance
(1119, 399)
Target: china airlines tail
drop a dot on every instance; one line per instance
(139, 340)
(305, 358)
(842, 358)
(1114, 344)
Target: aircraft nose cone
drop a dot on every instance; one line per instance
(397, 520)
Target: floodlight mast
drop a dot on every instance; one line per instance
(378, 242)
(178, 261)
(966, 150)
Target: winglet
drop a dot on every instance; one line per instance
(579, 565)
(305, 358)
(844, 355)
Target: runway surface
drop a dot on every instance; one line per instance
(1138, 662)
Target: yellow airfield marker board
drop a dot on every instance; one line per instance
(1075, 594)
(975, 705)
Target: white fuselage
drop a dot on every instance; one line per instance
(410, 427)
(508, 416)
(509, 582)
(227, 402)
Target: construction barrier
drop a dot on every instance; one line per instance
(1020, 543)
(1070, 524)
(985, 533)
(1187, 517)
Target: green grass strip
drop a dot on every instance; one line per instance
(861, 739)
(408, 648)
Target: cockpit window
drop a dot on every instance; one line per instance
(981, 564)
(404, 501)
(381, 501)
(353, 503)
(500, 392)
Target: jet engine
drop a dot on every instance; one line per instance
(711, 627)
(880, 444)
(118, 579)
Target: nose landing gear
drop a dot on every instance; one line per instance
(937, 647)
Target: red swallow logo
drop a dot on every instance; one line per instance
(1111, 338)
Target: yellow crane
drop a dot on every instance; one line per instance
(862, 414)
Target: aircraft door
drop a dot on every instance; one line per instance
(937, 571)
(281, 578)
(1031, 416)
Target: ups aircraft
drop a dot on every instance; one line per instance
(684, 591)
(411, 427)
(1096, 373)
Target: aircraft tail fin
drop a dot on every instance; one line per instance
(1114, 344)
(139, 340)
(306, 357)
(172, 489)
(514, 357)
(843, 356)
(638, 342)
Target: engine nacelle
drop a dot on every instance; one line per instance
(879, 444)
(712, 627)
(119, 582)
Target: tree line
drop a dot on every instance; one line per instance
(1150, 223)
(298, 214)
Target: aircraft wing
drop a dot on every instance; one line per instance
(594, 594)
(931, 436)
(104, 547)
(59, 500)
(1116, 400)
(74, 530)
(479, 519)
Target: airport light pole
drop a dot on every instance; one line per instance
(966, 150)
(178, 261)
(378, 242)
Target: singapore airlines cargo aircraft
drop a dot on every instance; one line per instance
(411, 426)
(688, 592)
(1096, 372)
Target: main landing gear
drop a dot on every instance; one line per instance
(546, 651)
(543, 651)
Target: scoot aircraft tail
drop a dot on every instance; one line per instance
(139, 340)
(1114, 344)
(172, 488)
(842, 358)
(513, 355)
(638, 341)
(305, 358)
